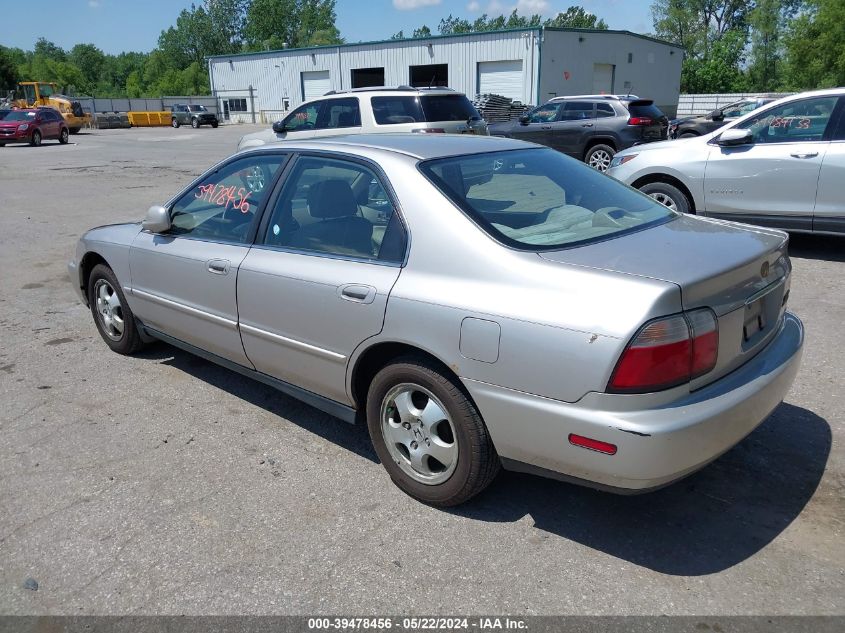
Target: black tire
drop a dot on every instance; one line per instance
(668, 195)
(35, 139)
(195, 123)
(215, 124)
(689, 135)
(129, 340)
(477, 460)
(74, 130)
(599, 156)
(175, 122)
(63, 136)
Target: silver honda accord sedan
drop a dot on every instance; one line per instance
(480, 302)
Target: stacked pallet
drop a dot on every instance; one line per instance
(496, 108)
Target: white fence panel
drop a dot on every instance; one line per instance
(703, 103)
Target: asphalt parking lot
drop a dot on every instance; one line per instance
(164, 484)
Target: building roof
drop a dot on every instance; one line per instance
(535, 29)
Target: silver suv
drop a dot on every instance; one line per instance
(375, 110)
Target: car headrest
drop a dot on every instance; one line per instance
(331, 199)
(346, 119)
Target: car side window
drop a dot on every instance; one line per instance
(545, 113)
(304, 117)
(339, 113)
(336, 207)
(797, 121)
(577, 110)
(223, 205)
(604, 110)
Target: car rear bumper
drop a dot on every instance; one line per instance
(655, 445)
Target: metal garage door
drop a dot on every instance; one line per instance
(603, 79)
(501, 78)
(315, 84)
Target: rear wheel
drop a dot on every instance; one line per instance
(215, 124)
(428, 434)
(35, 139)
(599, 156)
(195, 123)
(112, 315)
(63, 136)
(668, 195)
(174, 122)
(688, 135)
(74, 130)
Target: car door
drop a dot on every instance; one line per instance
(49, 125)
(537, 125)
(183, 281)
(829, 214)
(576, 123)
(339, 116)
(316, 284)
(777, 174)
(302, 122)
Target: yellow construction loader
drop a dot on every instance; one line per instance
(34, 94)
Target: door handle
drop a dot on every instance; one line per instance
(357, 293)
(545, 127)
(218, 266)
(804, 154)
(586, 125)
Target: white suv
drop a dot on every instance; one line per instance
(781, 165)
(375, 110)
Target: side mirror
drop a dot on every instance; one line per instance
(157, 220)
(524, 119)
(733, 137)
(717, 115)
(279, 127)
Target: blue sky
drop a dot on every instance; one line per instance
(120, 25)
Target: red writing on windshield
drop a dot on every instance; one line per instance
(223, 196)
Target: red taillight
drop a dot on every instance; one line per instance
(593, 445)
(668, 352)
(640, 120)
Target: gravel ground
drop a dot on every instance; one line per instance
(163, 484)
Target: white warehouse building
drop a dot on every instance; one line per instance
(528, 65)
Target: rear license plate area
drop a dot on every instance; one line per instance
(754, 319)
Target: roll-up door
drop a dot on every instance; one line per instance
(502, 78)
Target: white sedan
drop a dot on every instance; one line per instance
(781, 165)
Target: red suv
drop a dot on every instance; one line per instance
(33, 126)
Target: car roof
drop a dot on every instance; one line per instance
(420, 146)
(628, 97)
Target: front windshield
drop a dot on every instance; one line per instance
(196, 108)
(19, 115)
(539, 199)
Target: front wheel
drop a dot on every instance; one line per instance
(215, 124)
(35, 140)
(174, 122)
(599, 156)
(428, 434)
(688, 135)
(63, 136)
(668, 195)
(112, 315)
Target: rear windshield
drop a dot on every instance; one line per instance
(448, 108)
(394, 110)
(539, 199)
(644, 108)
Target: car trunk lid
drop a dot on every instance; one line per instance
(740, 272)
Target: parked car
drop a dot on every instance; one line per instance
(781, 165)
(375, 111)
(589, 128)
(688, 126)
(195, 115)
(33, 126)
(546, 318)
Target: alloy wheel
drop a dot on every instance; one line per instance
(109, 310)
(665, 200)
(419, 434)
(600, 160)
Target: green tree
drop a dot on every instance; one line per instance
(274, 24)
(815, 46)
(8, 72)
(90, 61)
(577, 18)
(423, 31)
